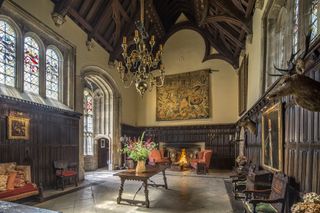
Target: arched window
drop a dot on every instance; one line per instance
(88, 123)
(52, 74)
(295, 37)
(7, 54)
(314, 18)
(31, 65)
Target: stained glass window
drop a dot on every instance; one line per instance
(295, 26)
(88, 123)
(52, 74)
(31, 65)
(314, 19)
(7, 54)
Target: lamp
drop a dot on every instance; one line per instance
(143, 65)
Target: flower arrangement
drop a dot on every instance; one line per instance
(310, 204)
(138, 150)
(241, 160)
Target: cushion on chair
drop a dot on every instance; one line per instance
(26, 171)
(262, 208)
(3, 182)
(20, 180)
(5, 168)
(11, 179)
(18, 193)
(241, 183)
(67, 173)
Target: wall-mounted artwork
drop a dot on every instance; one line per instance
(243, 85)
(18, 126)
(184, 96)
(272, 141)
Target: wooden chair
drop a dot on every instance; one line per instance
(239, 181)
(275, 201)
(65, 171)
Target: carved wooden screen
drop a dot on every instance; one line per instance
(243, 85)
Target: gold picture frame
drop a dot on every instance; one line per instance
(272, 138)
(18, 128)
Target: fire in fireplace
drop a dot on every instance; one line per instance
(183, 161)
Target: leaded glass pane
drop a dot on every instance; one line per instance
(31, 65)
(7, 54)
(88, 123)
(314, 22)
(295, 26)
(52, 74)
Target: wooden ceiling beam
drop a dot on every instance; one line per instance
(229, 35)
(229, 9)
(63, 7)
(89, 29)
(230, 20)
(93, 10)
(85, 6)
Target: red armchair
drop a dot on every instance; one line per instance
(156, 157)
(203, 157)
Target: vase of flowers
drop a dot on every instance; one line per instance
(139, 150)
(310, 204)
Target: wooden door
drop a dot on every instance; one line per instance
(103, 153)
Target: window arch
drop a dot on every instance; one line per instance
(31, 65)
(53, 69)
(7, 54)
(88, 122)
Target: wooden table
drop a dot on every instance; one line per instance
(143, 177)
(8, 207)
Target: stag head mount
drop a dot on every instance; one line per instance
(305, 91)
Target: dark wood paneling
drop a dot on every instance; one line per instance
(216, 138)
(54, 135)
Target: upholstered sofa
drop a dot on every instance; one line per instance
(156, 157)
(15, 182)
(203, 157)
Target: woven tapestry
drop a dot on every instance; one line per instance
(184, 96)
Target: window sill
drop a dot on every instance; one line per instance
(32, 97)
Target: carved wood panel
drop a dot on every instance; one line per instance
(216, 138)
(54, 135)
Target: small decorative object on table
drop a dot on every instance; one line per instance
(310, 204)
(138, 150)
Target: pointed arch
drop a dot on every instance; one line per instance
(107, 111)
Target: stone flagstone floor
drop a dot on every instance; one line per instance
(187, 193)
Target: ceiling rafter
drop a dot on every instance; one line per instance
(223, 24)
(228, 19)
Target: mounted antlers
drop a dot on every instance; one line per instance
(306, 91)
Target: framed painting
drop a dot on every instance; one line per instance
(184, 96)
(243, 85)
(18, 127)
(272, 138)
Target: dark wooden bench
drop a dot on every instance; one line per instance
(274, 202)
(65, 171)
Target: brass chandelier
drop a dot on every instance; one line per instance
(143, 65)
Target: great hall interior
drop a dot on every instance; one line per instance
(205, 106)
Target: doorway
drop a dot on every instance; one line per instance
(103, 152)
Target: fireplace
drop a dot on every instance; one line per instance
(181, 154)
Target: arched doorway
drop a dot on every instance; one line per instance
(105, 124)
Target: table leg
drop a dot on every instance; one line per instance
(120, 190)
(165, 179)
(146, 193)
